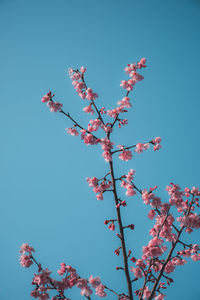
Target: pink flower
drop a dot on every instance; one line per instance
(73, 131)
(82, 69)
(62, 270)
(129, 176)
(151, 214)
(107, 156)
(89, 140)
(88, 109)
(94, 281)
(146, 293)
(170, 267)
(141, 147)
(90, 95)
(100, 291)
(26, 248)
(86, 291)
(99, 196)
(140, 263)
(195, 257)
(137, 272)
(25, 261)
(92, 181)
(125, 155)
(48, 97)
(125, 102)
(54, 106)
(156, 142)
(130, 191)
(141, 63)
(112, 226)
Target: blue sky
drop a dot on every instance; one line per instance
(45, 198)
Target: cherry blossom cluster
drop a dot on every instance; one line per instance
(111, 224)
(127, 183)
(131, 70)
(44, 283)
(126, 154)
(54, 106)
(164, 230)
(79, 84)
(100, 186)
(159, 258)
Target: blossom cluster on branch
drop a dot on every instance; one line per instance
(166, 250)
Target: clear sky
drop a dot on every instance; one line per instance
(45, 199)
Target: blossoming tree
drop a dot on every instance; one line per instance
(166, 250)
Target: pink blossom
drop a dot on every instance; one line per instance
(107, 156)
(137, 272)
(156, 142)
(141, 264)
(195, 257)
(88, 109)
(94, 125)
(112, 226)
(82, 69)
(129, 176)
(42, 278)
(73, 131)
(90, 95)
(54, 106)
(90, 140)
(155, 251)
(125, 102)
(130, 68)
(86, 291)
(99, 196)
(81, 282)
(146, 293)
(195, 248)
(25, 261)
(141, 147)
(48, 97)
(100, 291)
(136, 77)
(146, 196)
(26, 248)
(94, 281)
(125, 155)
(151, 214)
(92, 181)
(106, 144)
(170, 267)
(142, 64)
(115, 112)
(62, 269)
(195, 191)
(128, 84)
(130, 191)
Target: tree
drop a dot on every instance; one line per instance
(166, 250)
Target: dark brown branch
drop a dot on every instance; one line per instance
(68, 115)
(125, 258)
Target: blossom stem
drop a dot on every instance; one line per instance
(119, 220)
